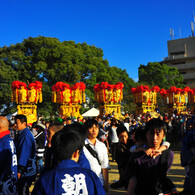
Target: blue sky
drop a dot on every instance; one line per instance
(130, 32)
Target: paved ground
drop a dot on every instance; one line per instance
(176, 174)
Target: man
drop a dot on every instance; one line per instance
(49, 161)
(40, 145)
(150, 173)
(8, 160)
(26, 153)
(96, 152)
(68, 177)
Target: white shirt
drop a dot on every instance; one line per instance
(101, 150)
(127, 126)
(114, 137)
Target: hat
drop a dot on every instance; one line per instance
(138, 118)
(41, 125)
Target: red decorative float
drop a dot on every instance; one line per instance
(69, 98)
(109, 96)
(145, 98)
(26, 98)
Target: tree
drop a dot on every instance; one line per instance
(161, 75)
(49, 60)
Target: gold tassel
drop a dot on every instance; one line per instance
(83, 96)
(53, 96)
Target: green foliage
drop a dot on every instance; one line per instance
(48, 60)
(161, 75)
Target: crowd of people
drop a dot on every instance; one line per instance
(71, 156)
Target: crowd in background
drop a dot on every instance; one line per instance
(105, 135)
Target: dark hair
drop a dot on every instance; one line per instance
(34, 124)
(140, 134)
(156, 123)
(64, 144)
(22, 118)
(56, 126)
(113, 121)
(121, 129)
(90, 122)
(99, 117)
(78, 128)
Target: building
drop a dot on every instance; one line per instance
(181, 54)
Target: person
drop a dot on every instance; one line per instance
(96, 152)
(68, 121)
(157, 109)
(49, 161)
(188, 161)
(148, 117)
(40, 145)
(79, 120)
(126, 123)
(81, 130)
(12, 129)
(68, 177)
(150, 173)
(26, 155)
(122, 154)
(8, 160)
(139, 121)
(114, 138)
(134, 125)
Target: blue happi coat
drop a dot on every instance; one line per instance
(8, 164)
(69, 178)
(51, 162)
(26, 153)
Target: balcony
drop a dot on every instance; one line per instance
(184, 66)
(189, 76)
(175, 57)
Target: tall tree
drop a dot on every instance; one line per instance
(160, 74)
(49, 60)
